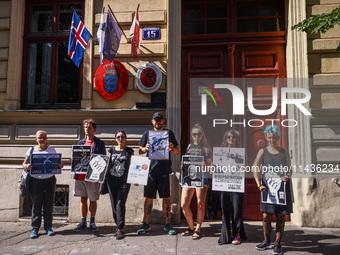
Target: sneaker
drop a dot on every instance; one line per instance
(50, 232)
(169, 229)
(143, 229)
(80, 227)
(115, 233)
(93, 227)
(34, 234)
(263, 246)
(237, 240)
(120, 235)
(277, 249)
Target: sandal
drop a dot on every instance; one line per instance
(188, 232)
(196, 235)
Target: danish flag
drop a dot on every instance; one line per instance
(134, 33)
(79, 38)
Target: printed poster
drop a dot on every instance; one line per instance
(81, 155)
(275, 192)
(139, 170)
(191, 173)
(228, 175)
(97, 168)
(45, 163)
(159, 145)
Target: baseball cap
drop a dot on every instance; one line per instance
(158, 115)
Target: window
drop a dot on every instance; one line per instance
(50, 78)
(232, 16)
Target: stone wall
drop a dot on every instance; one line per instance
(319, 205)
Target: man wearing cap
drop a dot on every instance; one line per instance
(159, 177)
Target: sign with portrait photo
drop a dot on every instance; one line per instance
(139, 170)
(191, 172)
(228, 175)
(275, 192)
(97, 168)
(81, 155)
(159, 145)
(45, 163)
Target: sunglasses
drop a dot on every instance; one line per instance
(196, 134)
(231, 137)
(123, 137)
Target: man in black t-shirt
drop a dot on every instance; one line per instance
(159, 177)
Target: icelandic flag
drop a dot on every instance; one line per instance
(100, 36)
(134, 33)
(79, 38)
(112, 38)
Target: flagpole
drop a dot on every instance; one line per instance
(117, 22)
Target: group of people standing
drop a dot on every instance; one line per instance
(42, 186)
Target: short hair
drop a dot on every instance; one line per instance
(40, 131)
(272, 129)
(90, 121)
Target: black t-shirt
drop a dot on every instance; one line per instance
(120, 162)
(160, 167)
(198, 150)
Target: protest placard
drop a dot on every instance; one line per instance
(228, 175)
(97, 168)
(159, 145)
(139, 170)
(45, 163)
(81, 155)
(191, 173)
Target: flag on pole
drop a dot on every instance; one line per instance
(79, 38)
(100, 36)
(134, 33)
(112, 38)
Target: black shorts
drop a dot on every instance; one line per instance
(160, 183)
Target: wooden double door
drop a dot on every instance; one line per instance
(251, 56)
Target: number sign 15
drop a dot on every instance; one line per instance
(151, 33)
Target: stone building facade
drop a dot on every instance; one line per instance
(316, 200)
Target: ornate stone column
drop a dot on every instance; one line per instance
(15, 55)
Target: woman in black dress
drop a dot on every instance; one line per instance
(120, 156)
(232, 202)
(274, 186)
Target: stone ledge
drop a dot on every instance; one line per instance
(325, 44)
(150, 50)
(4, 23)
(330, 64)
(326, 79)
(126, 18)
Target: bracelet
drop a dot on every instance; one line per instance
(259, 186)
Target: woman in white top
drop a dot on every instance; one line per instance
(42, 188)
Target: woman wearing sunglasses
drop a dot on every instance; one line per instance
(116, 180)
(232, 202)
(198, 147)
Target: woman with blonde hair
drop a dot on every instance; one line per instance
(198, 147)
